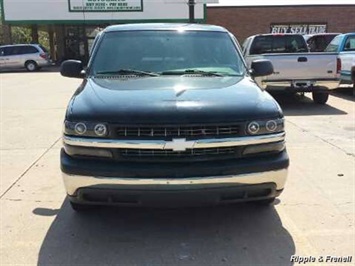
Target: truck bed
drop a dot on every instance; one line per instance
(301, 72)
(301, 66)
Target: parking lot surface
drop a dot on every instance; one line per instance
(313, 217)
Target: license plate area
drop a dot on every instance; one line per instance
(302, 83)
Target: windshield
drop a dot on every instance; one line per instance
(166, 52)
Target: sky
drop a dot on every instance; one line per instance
(282, 2)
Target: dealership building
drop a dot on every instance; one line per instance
(73, 24)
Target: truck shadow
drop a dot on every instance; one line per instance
(344, 93)
(243, 234)
(297, 105)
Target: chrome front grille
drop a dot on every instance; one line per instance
(179, 131)
(143, 153)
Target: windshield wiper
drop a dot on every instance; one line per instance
(193, 71)
(128, 72)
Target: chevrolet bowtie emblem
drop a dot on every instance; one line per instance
(179, 145)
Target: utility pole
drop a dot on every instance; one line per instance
(191, 5)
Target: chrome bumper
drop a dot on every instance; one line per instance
(74, 182)
(162, 144)
(330, 84)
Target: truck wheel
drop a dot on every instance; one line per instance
(320, 97)
(80, 207)
(31, 66)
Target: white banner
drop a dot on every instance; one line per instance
(105, 5)
(100, 11)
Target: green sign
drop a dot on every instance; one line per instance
(105, 5)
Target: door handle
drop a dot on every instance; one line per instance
(302, 59)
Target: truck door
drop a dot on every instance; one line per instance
(347, 57)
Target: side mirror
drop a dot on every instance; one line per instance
(261, 67)
(72, 69)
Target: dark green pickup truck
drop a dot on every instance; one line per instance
(169, 115)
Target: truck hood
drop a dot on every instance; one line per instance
(171, 100)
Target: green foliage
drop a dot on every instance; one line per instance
(21, 35)
(43, 38)
(24, 35)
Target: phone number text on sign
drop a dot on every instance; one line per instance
(105, 5)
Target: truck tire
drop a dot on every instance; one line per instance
(31, 66)
(320, 97)
(80, 207)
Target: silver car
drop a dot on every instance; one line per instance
(29, 56)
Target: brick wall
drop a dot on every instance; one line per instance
(247, 21)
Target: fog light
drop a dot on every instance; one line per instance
(253, 128)
(271, 125)
(80, 128)
(100, 130)
(264, 148)
(90, 152)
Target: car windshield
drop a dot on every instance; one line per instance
(167, 53)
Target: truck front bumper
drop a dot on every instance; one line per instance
(120, 183)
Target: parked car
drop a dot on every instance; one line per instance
(318, 42)
(295, 68)
(29, 56)
(169, 115)
(344, 46)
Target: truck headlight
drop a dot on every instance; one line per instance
(253, 128)
(80, 128)
(85, 129)
(265, 126)
(271, 125)
(100, 130)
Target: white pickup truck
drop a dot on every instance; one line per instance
(295, 68)
(344, 46)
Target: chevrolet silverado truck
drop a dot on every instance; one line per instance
(169, 115)
(344, 46)
(295, 68)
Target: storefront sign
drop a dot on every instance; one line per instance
(96, 12)
(298, 28)
(105, 5)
